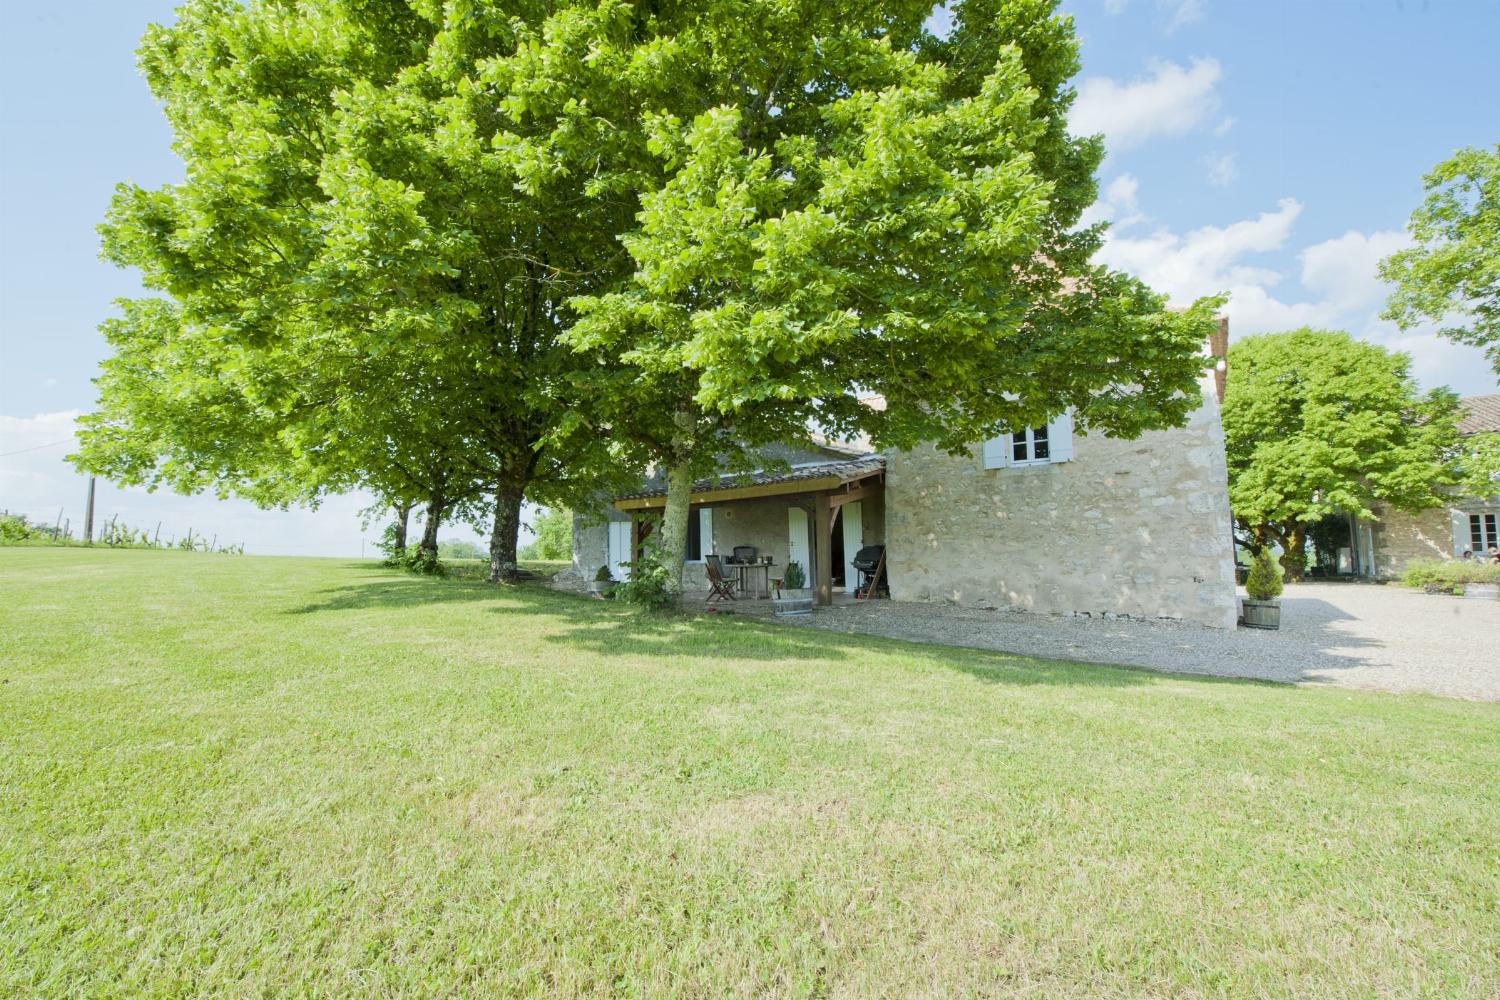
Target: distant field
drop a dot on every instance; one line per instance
(258, 776)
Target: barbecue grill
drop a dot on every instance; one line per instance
(867, 561)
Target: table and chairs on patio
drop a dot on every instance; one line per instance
(742, 575)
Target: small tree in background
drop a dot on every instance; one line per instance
(554, 536)
(1318, 423)
(1452, 274)
(1479, 466)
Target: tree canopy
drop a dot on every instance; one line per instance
(364, 271)
(511, 249)
(1319, 423)
(844, 204)
(1452, 274)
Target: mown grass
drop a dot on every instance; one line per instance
(276, 776)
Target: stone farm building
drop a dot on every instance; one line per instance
(1382, 547)
(1039, 520)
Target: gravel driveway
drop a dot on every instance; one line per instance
(1352, 635)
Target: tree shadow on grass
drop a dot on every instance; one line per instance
(414, 591)
(747, 639)
(609, 631)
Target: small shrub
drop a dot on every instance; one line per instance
(794, 578)
(603, 575)
(1448, 577)
(1264, 582)
(649, 584)
(14, 528)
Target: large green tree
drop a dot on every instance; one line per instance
(842, 203)
(1318, 423)
(366, 262)
(1452, 274)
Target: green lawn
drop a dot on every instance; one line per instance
(250, 776)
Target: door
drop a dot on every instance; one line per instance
(619, 549)
(854, 540)
(797, 542)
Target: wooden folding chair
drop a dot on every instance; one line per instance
(719, 587)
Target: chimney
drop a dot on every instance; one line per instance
(1218, 349)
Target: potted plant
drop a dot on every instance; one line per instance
(1262, 587)
(603, 583)
(793, 597)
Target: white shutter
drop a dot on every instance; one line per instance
(997, 452)
(1461, 536)
(1060, 438)
(619, 549)
(706, 532)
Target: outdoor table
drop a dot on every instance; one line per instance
(756, 573)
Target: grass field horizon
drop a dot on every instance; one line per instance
(257, 775)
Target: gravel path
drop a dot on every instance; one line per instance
(1352, 635)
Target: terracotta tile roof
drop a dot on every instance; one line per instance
(847, 471)
(1481, 413)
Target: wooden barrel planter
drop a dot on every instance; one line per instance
(1262, 614)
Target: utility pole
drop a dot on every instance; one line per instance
(88, 516)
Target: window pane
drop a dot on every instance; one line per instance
(1489, 527)
(1039, 438)
(695, 535)
(1476, 533)
(1018, 447)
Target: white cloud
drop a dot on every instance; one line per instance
(1340, 286)
(1170, 100)
(1205, 260)
(1180, 12)
(1118, 204)
(1222, 129)
(1221, 169)
(36, 481)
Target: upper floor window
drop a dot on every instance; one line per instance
(1047, 444)
(1030, 446)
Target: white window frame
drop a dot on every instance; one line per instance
(1488, 527)
(1025, 439)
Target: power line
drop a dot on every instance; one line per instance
(39, 447)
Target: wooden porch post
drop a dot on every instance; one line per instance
(823, 548)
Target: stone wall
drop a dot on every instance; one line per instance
(1138, 528)
(1440, 533)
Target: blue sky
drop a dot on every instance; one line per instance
(1270, 149)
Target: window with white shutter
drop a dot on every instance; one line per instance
(1047, 444)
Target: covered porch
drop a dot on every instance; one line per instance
(816, 514)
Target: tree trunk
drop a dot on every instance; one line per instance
(503, 535)
(674, 523)
(1294, 553)
(434, 519)
(674, 516)
(403, 522)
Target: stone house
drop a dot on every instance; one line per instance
(1382, 547)
(1041, 519)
